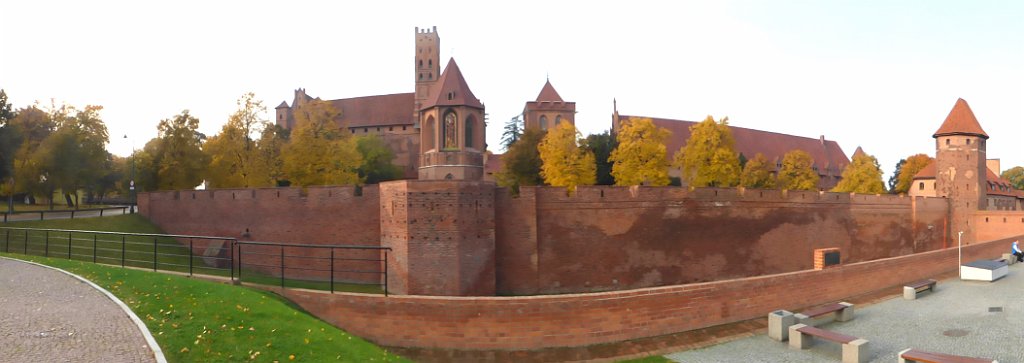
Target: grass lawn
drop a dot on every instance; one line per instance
(201, 321)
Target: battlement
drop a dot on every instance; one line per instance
(586, 194)
(432, 30)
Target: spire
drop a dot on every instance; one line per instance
(451, 89)
(961, 121)
(858, 152)
(548, 94)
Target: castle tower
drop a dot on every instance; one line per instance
(548, 110)
(452, 130)
(427, 63)
(960, 170)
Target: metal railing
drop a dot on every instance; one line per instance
(69, 212)
(321, 267)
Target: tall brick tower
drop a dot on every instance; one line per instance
(451, 130)
(960, 167)
(428, 65)
(548, 110)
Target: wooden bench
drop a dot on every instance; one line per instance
(843, 312)
(910, 290)
(913, 355)
(854, 349)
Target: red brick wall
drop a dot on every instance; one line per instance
(526, 323)
(611, 238)
(990, 225)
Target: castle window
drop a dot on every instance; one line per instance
(353, 130)
(450, 131)
(378, 129)
(451, 95)
(430, 62)
(421, 76)
(543, 122)
(365, 130)
(469, 131)
(403, 128)
(430, 76)
(421, 63)
(391, 128)
(968, 141)
(558, 120)
(947, 141)
(920, 186)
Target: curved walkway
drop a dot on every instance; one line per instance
(49, 316)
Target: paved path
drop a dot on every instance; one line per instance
(961, 317)
(49, 316)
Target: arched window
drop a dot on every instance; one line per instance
(920, 186)
(430, 62)
(450, 131)
(421, 63)
(470, 125)
(558, 120)
(429, 128)
(543, 122)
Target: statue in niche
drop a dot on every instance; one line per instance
(450, 131)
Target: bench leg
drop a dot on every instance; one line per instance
(909, 293)
(855, 351)
(803, 319)
(798, 340)
(900, 356)
(846, 314)
(779, 322)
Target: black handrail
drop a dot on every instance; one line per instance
(277, 253)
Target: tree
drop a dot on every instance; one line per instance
(1015, 176)
(179, 159)
(318, 153)
(233, 152)
(563, 162)
(602, 145)
(32, 125)
(513, 131)
(522, 161)
(10, 141)
(797, 172)
(269, 163)
(757, 173)
(709, 157)
(863, 176)
(75, 157)
(903, 177)
(640, 155)
(377, 157)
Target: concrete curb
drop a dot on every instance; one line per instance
(157, 352)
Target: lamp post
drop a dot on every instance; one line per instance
(959, 262)
(131, 182)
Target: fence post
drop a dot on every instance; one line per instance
(332, 270)
(93, 248)
(282, 266)
(122, 251)
(231, 260)
(101, 212)
(26, 242)
(154, 254)
(385, 272)
(46, 245)
(239, 262)
(190, 256)
(40, 215)
(72, 214)
(69, 245)
(7, 241)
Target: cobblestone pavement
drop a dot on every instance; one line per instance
(48, 316)
(969, 318)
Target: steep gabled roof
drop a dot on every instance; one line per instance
(928, 172)
(393, 109)
(283, 104)
(858, 152)
(548, 94)
(451, 89)
(961, 121)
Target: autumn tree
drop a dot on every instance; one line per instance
(709, 157)
(33, 126)
(1015, 176)
(601, 145)
(233, 153)
(269, 162)
(758, 173)
(318, 153)
(797, 172)
(564, 163)
(179, 159)
(10, 141)
(640, 155)
(377, 157)
(863, 176)
(522, 161)
(903, 177)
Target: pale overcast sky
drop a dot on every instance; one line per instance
(877, 74)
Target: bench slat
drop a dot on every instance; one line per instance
(920, 284)
(822, 310)
(827, 335)
(921, 356)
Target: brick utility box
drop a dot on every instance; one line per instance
(826, 258)
(441, 235)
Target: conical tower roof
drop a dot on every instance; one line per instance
(858, 152)
(451, 89)
(548, 94)
(961, 121)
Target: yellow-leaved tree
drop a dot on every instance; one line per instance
(318, 152)
(233, 152)
(863, 175)
(758, 173)
(905, 171)
(709, 157)
(797, 172)
(640, 156)
(563, 162)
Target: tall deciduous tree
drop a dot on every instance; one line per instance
(377, 157)
(233, 153)
(758, 173)
(33, 126)
(318, 152)
(640, 156)
(564, 163)
(797, 172)
(10, 140)
(522, 162)
(903, 178)
(863, 175)
(1015, 176)
(602, 145)
(709, 157)
(269, 162)
(179, 159)
(512, 131)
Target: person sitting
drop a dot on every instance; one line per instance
(1016, 252)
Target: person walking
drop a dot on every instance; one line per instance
(1016, 252)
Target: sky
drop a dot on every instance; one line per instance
(881, 75)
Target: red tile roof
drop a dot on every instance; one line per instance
(993, 181)
(394, 109)
(548, 94)
(774, 146)
(451, 89)
(961, 121)
(928, 172)
(858, 152)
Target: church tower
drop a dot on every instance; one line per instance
(548, 110)
(960, 170)
(427, 63)
(452, 130)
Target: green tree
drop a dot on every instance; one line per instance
(640, 155)
(797, 172)
(10, 141)
(863, 176)
(33, 125)
(522, 162)
(602, 145)
(318, 153)
(709, 157)
(1015, 176)
(903, 177)
(377, 157)
(512, 131)
(564, 163)
(758, 173)
(179, 159)
(233, 153)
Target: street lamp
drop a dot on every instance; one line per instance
(131, 182)
(959, 262)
